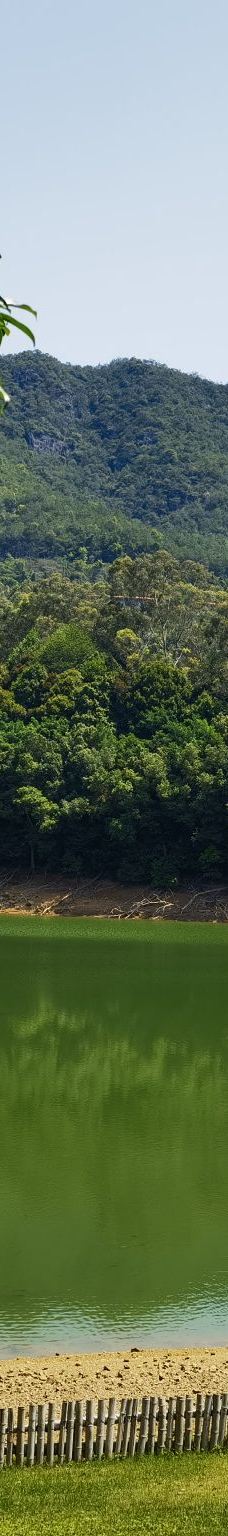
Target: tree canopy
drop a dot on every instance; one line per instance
(114, 720)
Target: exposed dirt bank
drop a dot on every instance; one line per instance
(131, 1372)
(56, 897)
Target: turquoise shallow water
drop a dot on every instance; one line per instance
(113, 1133)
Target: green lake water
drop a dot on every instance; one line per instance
(113, 1134)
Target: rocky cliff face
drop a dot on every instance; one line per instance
(45, 442)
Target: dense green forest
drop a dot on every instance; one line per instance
(113, 621)
(114, 719)
(124, 458)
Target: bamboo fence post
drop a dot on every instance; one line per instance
(3, 1426)
(78, 1430)
(152, 1424)
(31, 1434)
(200, 1404)
(223, 1419)
(179, 1426)
(162, 1422)
(110, 1430)
(215, 1422)
(127, 1426)
(120, 1426)
(134, 1424)
(40, 1434)
(143, 1431)
(20, 1437)
(50, 1434)
(100, 1428)
(10, 1434)
(70, 1430)
(206, 1422)
(188, 1424)
(170, 1423)
(139, 1425)
(62, 1431)
(89, 1428)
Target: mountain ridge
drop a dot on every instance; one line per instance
(121, 456)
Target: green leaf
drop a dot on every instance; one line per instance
(19, 326)
(4, 328)
(4, 396)
(26, 306)
(13, 304)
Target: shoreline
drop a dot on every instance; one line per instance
(31, 896)
(134, 1372)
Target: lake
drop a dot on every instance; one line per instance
(113, 1134)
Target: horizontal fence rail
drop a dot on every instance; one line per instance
(93, 1429)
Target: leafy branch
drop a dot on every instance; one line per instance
(7, 320)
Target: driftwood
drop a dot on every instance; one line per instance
(158, 906)
(138, 908)
(103, 898)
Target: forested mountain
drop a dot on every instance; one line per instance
(127, 458)
(113, 621)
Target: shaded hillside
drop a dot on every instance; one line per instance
(114, 458)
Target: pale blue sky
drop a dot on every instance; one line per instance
(114, 198)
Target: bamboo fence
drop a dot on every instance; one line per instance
(96, 1429)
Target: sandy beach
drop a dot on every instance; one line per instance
(131, 1372)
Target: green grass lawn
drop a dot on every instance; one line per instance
(167, 1497)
